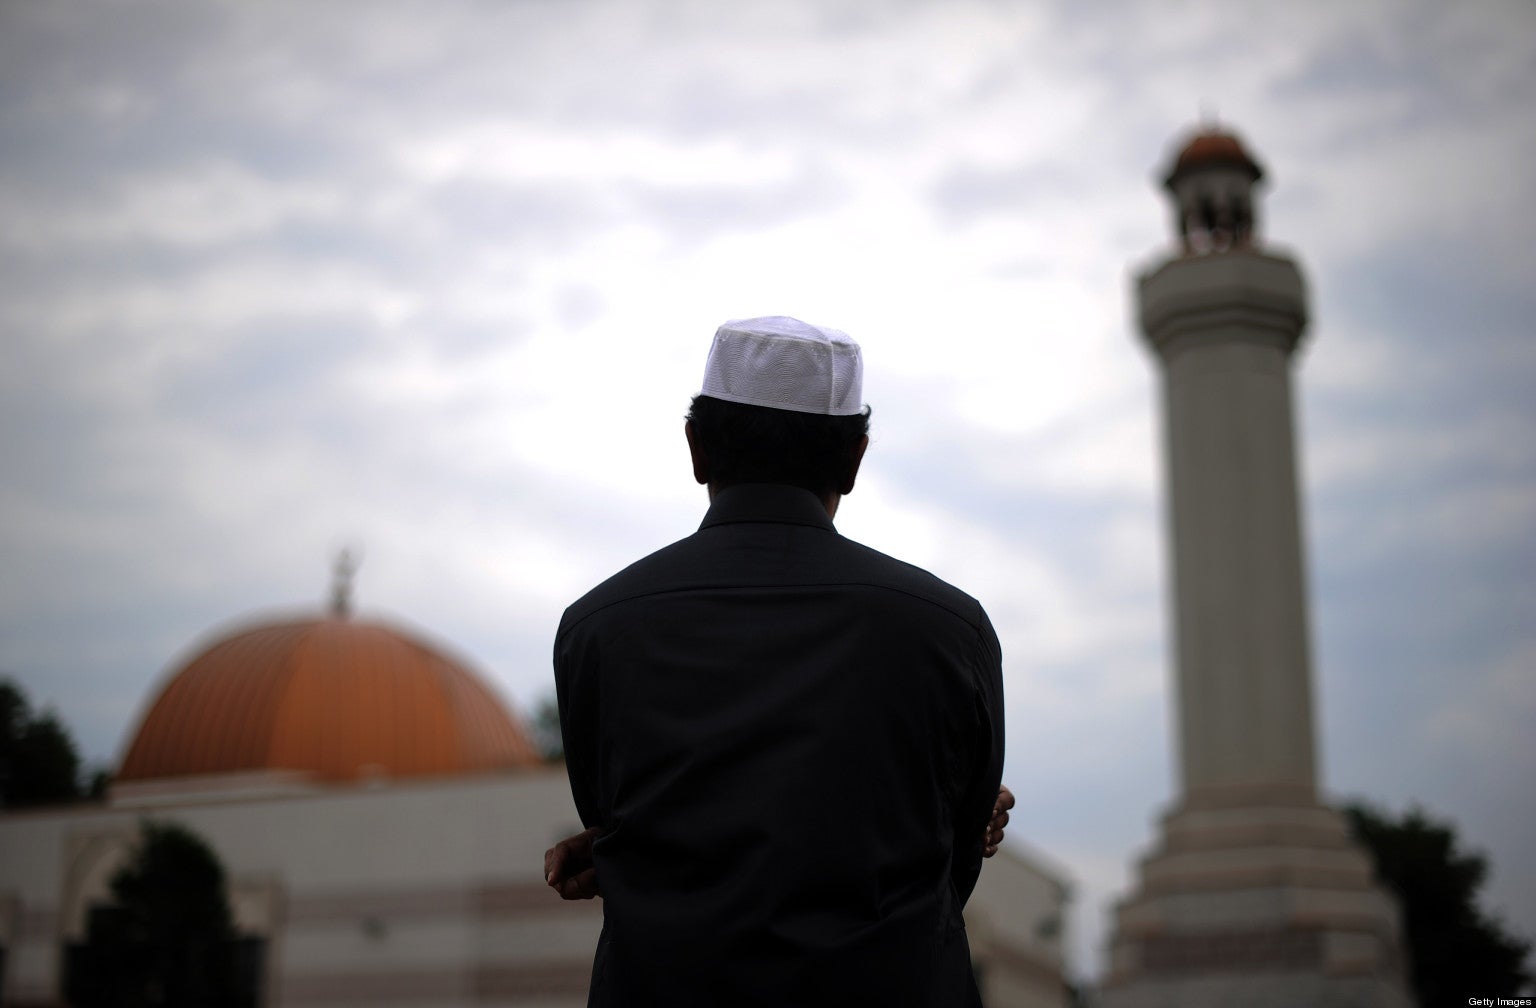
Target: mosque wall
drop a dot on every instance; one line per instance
(414, 892)
(1016, 921)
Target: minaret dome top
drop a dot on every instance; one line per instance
(1213, 148)
(1212, 182)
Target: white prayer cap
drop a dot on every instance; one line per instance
(783, 363)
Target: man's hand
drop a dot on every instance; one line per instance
(568, 866)
(994, 834)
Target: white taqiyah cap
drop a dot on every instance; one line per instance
(783, 363)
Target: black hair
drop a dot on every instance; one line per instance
(755, 444)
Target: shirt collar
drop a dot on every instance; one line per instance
(767, 502)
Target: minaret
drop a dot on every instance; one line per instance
(1255, 894)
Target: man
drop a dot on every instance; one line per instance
(786, 746)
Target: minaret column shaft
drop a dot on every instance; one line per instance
(1224, 329)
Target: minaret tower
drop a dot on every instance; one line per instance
(1255, 895)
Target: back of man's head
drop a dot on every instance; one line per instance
(781, 403)
(755, 444)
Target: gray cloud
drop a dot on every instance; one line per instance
(280, 280)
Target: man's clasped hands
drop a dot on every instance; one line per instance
(569, 871)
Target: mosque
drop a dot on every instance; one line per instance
(381, 816)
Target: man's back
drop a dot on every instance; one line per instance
(784, 733)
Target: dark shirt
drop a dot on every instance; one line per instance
(795, 742)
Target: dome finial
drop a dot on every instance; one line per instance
(342, 573)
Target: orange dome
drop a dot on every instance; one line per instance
(334, 698)
(1212, 147)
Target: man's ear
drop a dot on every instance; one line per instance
(696, 452)
(853, 470)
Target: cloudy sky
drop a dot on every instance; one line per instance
(434, 281)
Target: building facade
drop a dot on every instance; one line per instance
(382, 820)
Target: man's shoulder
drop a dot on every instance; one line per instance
(883, 570)
(699, 562)
(655, 572)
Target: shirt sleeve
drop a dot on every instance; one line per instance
(576, 695)
(979, 793)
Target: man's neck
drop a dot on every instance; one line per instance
(828, 501)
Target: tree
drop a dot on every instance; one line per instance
(167, 940)
(1454, 949)
(546, 730)
(38, 760)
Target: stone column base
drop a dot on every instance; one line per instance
(1257, 897)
